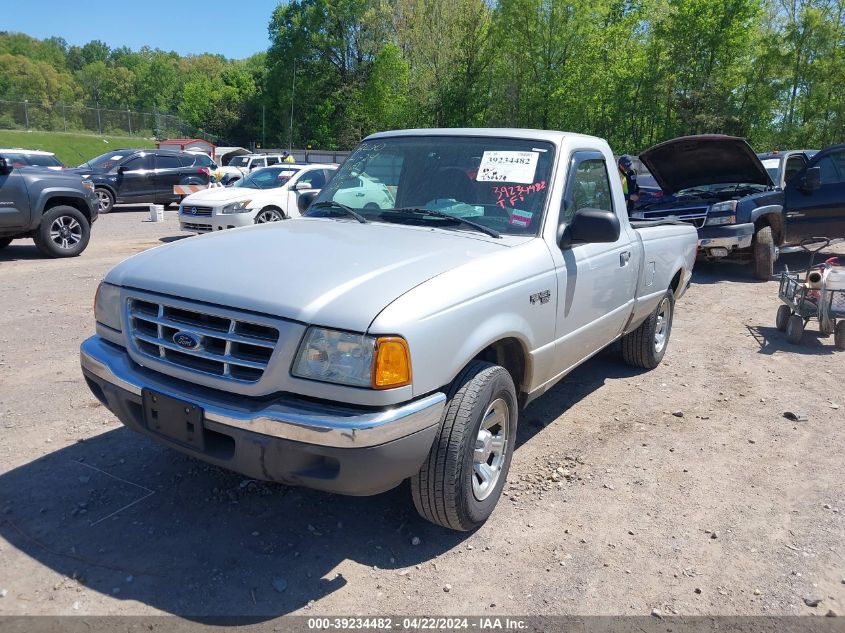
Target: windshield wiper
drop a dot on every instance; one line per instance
(448, 216)
(331, 204)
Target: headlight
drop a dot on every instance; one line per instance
(351, 359)
(237, 207)
(88, 185)
(107, 306)
(721, 213)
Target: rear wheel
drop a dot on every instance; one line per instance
(646, 346)
(794, 329)
(269, 214)
(764, 254)
(105, 200)
(782, 318)
(63, 232)
(462, 478)
(5, 241)
(839, 335)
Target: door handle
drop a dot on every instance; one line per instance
(624, 258)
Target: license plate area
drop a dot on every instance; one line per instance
(174, 419)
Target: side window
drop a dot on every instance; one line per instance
(168, 162)
(272, 160)
(258, 162)
(794, 164)
(315, 178)
(831, 169)
(44, 160)
(588, 186)
(138, 163)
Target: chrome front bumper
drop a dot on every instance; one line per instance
(728, 236)
(287, 418)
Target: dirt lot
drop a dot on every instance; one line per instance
(730, 509)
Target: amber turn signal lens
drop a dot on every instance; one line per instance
(392, 363)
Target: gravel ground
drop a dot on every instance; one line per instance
(683, 489)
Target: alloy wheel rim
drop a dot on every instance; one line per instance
(661, 331)
(102, 200)
(268, 216)
(66, 232)
(491, 445)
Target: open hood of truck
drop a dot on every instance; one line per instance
(334, 273)
(710, 159)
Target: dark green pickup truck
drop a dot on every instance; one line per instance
(54, 208)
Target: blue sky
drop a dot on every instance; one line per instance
(234, 29)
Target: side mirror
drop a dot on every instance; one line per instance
(302, 185)
(304, 201)
(590, 226)
(812, 180)
(5, 167)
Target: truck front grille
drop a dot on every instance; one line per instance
(230, 348)
(695, 216)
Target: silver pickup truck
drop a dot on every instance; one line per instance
(355, 348)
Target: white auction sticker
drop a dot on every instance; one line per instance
(507, 166)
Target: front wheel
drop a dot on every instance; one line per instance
(782, 318)
(462, 478)
(764, 254)
(646, 346)
(269, 214)
(105, 200)
(63, 232)
(794, 329)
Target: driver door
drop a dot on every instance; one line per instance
(819, 213)
(136, 178)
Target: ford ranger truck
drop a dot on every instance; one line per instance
(369, 346)
(718, 184)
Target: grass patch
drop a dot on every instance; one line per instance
(71, 148)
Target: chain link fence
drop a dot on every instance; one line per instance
(76, 117)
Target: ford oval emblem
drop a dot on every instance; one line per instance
(187, 340)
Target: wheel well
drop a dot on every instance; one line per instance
(676, 281)
(76, 203)
(275, 207)
(510, 354)
(774, 220)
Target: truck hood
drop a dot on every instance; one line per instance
(334, 273)
(694, 161)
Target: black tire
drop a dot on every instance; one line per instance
(105, 200)
(763, 249)
(269, 214)
(794, 329)
(782, 318)
(447, 488)
(643, 347)
(839, 335)
(4, 242)
(63, 232)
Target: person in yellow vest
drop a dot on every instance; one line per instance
(288, 158)
(629, 180)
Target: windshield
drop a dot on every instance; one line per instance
(498, 183)
(106, 161)
(267, 178)
(239, 161)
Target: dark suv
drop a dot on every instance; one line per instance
(145, 176)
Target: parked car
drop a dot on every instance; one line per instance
(31, 158)
(54, 208)
(363, 346)
(717, 184)
(265, 195)
(142, 176)
(815, 199)
(783, 165)
(240, 166)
